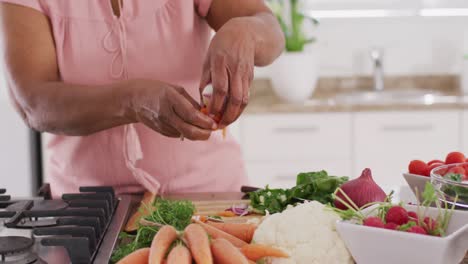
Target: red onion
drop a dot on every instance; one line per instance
(240, 209)
(361, 191)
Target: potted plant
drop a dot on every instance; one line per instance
(294, 73)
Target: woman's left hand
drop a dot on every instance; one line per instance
(229, 67)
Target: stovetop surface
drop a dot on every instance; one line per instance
(83, 223)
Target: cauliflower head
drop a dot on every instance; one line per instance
(307, 233)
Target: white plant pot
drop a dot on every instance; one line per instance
(294, 75)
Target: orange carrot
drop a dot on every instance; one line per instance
(139, 256)
(226, 253)
(145, 204)
(241, 231)
(199, 244)
(179, 255)
(216, 233)
(256, 251)
(226, 214)
(161, 243)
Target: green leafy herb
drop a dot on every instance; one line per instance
(164, 212)
(271, 200)
(175, 213)
(317, 186)
(461, 192)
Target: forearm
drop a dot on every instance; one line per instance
(268, 37)
(75, 110)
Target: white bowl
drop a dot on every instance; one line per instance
(416, 181)
(370, 245)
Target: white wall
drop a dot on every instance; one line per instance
(412, 45)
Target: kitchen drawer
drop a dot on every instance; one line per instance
(296, 136)
(387, 141)
(283, 174)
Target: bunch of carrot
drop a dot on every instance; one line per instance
(229, 245)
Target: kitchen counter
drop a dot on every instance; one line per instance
(263, 100)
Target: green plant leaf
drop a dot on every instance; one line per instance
(429, 195)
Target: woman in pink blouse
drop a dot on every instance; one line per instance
(117, 84)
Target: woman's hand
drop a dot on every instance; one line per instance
(169, 110)
(229, 66)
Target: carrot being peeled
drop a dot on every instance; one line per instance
(216, 233)
(199, 244)
(179, 255)
(139, 256)
(161, 243)
(244, 232)
(256, 251)
(226, 253)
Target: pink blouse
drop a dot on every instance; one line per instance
(154, 39)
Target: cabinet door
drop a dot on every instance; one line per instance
(15, 157)
(387, 141)
(293, 137)
(283, 174)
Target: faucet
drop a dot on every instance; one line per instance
(376, 55)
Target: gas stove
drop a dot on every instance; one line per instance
(80, 227)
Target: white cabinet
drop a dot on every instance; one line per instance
(15, 159)
(387, 141)
(279, 146)
(282, 174)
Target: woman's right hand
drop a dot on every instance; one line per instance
(169, 110)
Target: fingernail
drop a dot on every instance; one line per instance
(214, 126)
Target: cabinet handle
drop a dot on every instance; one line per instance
(403, 128)
(311, 129)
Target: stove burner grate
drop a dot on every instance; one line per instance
(39, 205)
(11, 245)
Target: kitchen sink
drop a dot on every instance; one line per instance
(388, 97)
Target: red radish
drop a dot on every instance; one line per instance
(397, 215)
(391, 226)
(418, 167)
(433, 166)
(373, 221)
(430, 223)
(434, 161)
(417, 230)
(413, 215)
(455, 157)
(361, 191)
(457, 170)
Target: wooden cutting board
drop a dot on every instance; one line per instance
(206, 204)
(207, 208)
